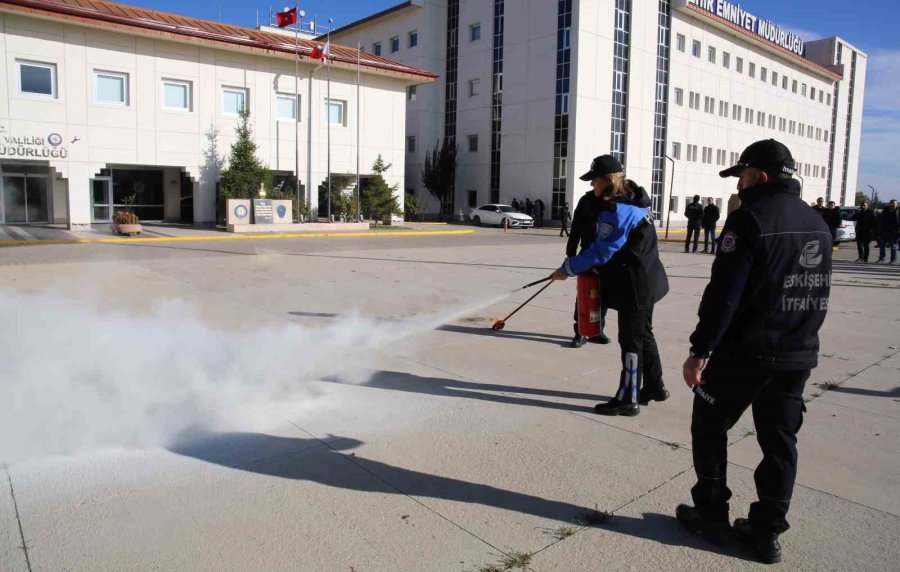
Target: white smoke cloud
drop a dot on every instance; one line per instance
(76, 377)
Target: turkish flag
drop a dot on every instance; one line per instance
(286, 18)
(320, 52)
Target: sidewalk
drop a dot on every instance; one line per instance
(100, 233)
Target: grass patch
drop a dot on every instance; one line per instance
(563, 532)
(829, 385)
(512, 561)
(596, 517)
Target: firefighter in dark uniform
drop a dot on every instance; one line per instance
(583, 233)
(755, 344)
(632, 280)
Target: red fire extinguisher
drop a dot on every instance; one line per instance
(589, 305)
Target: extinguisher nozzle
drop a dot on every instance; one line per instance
(498, 325)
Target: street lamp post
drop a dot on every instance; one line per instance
(671, 186)
(873, 195)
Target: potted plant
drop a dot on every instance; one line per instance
(126, 223)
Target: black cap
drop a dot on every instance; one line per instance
(766, 155)
(601, 166)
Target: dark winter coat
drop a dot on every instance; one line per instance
(710, 216)
(694, 213)
(865, 224)
(889, 222)
(768, 292)
(584, 223)
(832, 217)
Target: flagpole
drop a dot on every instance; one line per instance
(358, 55)
(328, 108)
(297, 107)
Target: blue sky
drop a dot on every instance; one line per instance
(868, 24)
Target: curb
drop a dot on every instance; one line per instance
(134, 240)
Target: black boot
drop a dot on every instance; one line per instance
(766, 546)
(600, 339)
(615, 407)
(716, 531)
(578, 341)
(649, 394)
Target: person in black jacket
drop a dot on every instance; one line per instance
(756, 341)
(832, 217)
(529, 207)
(865, 228)
(584, 232)
(632, 280)
(888, 229)
(694, 214)
(564, 217)
(539, 213)
(710, 218)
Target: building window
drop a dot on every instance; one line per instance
(472, 199)
(286, 107)
(712, 54)
(111, 87)
(761, 118)
(411, 144)
(473, 143)
(751, 69)
(673, 204)
(37, 78)
(812, 93)
(676, 150)
(695, 48)
(234, 100)
(474, 87)
(784, 82)
(736, 112)
(335, 112)
(794, 86)
(376, 48)
(413, 39)
(679, 96)
(775, 79)
(771, 121)
(825, 136)
(475, 32)
(680, 42)
(821, 94)
(395, 44)
(802, 130)
(176, 94)
(763, 74)
(748, 116)
(739, 65)
(803, 89)
(411, 93)
(782, 122)
(829, 100)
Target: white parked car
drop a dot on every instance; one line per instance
(497, 213)
(847, 231)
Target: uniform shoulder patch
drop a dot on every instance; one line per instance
(729, 242)
(605, 229)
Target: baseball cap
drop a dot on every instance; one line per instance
(766, 155)
(602, 165)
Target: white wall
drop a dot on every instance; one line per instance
(144, 133)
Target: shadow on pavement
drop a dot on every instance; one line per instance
(868, 392)
(407, 382)
(305, 459)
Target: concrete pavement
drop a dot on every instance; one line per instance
(463, 447)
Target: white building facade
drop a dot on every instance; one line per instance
(107, 106)
(532, 90)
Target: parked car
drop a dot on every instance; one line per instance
(497, 213)
(847, 231)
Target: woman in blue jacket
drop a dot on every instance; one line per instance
(632, 279)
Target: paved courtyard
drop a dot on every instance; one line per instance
(457, 448)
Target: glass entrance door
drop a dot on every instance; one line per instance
(25, 199)
(101, 199)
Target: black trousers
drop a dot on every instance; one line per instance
(603, 310)
(695, 232)
(862, 246)
(640, 356)
(777, 401)
(564, 229)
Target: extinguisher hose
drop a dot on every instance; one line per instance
(533, 296)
